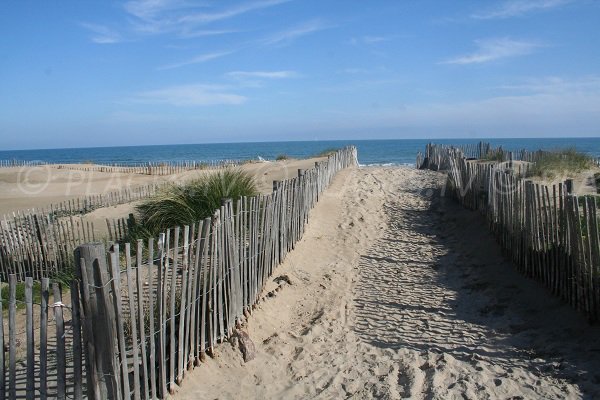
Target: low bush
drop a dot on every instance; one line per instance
(560, 162)
(327, 152)
(191, 202)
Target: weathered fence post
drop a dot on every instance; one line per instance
(569, 186)
(301, 172)
(276, 185)
(99, 331)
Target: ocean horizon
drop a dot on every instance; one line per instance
(370, 152)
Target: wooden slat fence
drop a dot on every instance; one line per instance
(20, 163)
(143, 314)
(47, 236)
(551, 235)
(151, 168)
(40, 339)
(146, 168)
(436, 156)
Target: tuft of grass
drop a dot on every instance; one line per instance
(494, 155)
(191, 202)
(327, 152)
(20, 294)
(560, 162)
(282, 157)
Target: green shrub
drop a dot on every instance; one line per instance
(20, 294)
(565, 161)
(327, 152)
(282, 157)
(191, 202)
(494, 155)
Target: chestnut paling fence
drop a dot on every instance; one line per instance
(140, 315)
(145, 168)
(40, 242)
(550, 234)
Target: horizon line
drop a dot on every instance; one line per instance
(301, 141)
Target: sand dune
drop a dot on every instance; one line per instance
(397, 293)
(23, 188)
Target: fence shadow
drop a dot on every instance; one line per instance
(436, 281)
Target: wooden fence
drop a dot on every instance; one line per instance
(40, 242)
(151, 168)
(550, 234)
(145, 168)
(20, 163)
(40, 340)
(143, 314)
(436, 156)
(47, 236)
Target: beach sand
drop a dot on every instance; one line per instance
(396, 293)
(23, 188)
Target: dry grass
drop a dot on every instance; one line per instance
(560, 162)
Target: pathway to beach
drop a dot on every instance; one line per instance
(398, 293)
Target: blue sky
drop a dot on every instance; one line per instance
(104, 73)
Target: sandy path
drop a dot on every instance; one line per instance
(398, 294)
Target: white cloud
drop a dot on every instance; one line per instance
(495, 49)
(150, 9)
(368, 39)
(516, 8)
(202, 58)
(184, 17)
(203, 18)
(289, 35)
(557, 85)
(262, 74)
(189, 95)
(102, 34)
(207, 32)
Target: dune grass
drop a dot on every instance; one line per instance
(560, 162)
(327, 152)
(282, 157)
(494, 155)
(191, 202)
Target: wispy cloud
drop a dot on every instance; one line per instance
(204, 18)
(557, 85)
(516, 8)
(202, 58)
(189, 96)
(184, 17)
(102, 34)
(369, 39)
(262, 74)
(207, 32)
(495, 49)
(287, 36)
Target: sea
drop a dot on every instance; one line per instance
(370, 152)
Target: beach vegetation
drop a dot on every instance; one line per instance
(327, 152)
(495, 155)
(282, 157)
(64, 278)
(567, 162)
(188, 203)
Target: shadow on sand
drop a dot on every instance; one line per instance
(437, 282)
